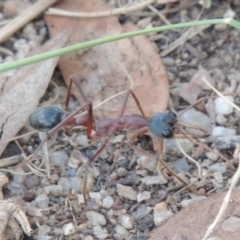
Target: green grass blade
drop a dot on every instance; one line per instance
(89, 44)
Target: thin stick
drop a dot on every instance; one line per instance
(123, 10)
(25, 17)
(223, 208)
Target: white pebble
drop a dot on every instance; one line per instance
(82, 140)
(95, 218)
(212, 156)
(53, 188)
(64, 182)
(150, 180)
(122, 232)
(145, 195)
(220, 131)
(218, 167)
(184, 143)
(196, 118)
(220, 119)
(100, 233)
(160, 217)
(218, 177)
(107, 202)
(222, 106)
(148, 163)
(127, 192)
(95, 195)
(42, 201)
(68, 229)
(43, 230)
(187, 202)
(126, 221)
(59, 158)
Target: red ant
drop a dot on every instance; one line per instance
(160, 125)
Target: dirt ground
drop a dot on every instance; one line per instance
(126, 196)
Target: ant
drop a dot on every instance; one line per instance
(159, 126)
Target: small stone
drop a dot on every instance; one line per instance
(95, 218)
(212, 156)
(184, 143)
(53, 190)
(21, 177)
(68, 229)
(181, 165)
(218, 177)
(95, 195)
(232, 224)
(127, 192)
(187, 202)
(189, 92)
(64, 182)
(220, 27)
(122, 232)
(118, 138)
(222, 106)
(107, 202)
(42, 201)
(196, 118)
(59, 158)
(220, 131)
(16, 188)
(150, 180)
(82, 140)
(58, 231)
(145, 195)
(161, 213)
(220, 119)
(126, 221)
(218, 167)
(148, 163)
(43, 230)
(167, 61)
(80, 199)
(100, 233)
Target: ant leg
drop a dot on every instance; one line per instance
(51, 133)
(123, 107)
(87, 107)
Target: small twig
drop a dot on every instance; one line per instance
(25, 17)
(123, 10)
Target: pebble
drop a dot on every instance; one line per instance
(64, 182)
(218, 167)
(68, 229)
(53, 190)
(82, 140)
(145, 224)
(95, 195)
(185, 144)
(150, 180)
(222, 106)
(167, 61)
(80, 199)
(218, 177)
(107, 202)
(42, 201)
(59, 158)
(21, 177)
(181, 165)
(221, 119)
(220, 131)
(100, 233)
(145, 162)
(196, 118)
(43, 230)
(212, 156)
(122, 232)
(126, 221)
(220, 27)
(161, 213)
(95, 218)
(58, 231)
(145, 195)
(232, 224)
(187, 202)
(127, 192)
(16, 188)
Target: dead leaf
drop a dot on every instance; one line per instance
(192, 222)
(22, 92)
(100, 69)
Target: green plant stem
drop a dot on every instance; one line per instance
(59, 52)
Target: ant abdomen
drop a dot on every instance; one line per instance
(46, 118)
(161, 124)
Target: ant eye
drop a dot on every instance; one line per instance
(167, 133)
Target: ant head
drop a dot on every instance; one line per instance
(161, 124)
(46, 118)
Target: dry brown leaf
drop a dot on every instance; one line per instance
(99, 70)
(192, 222)
(21, 93)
